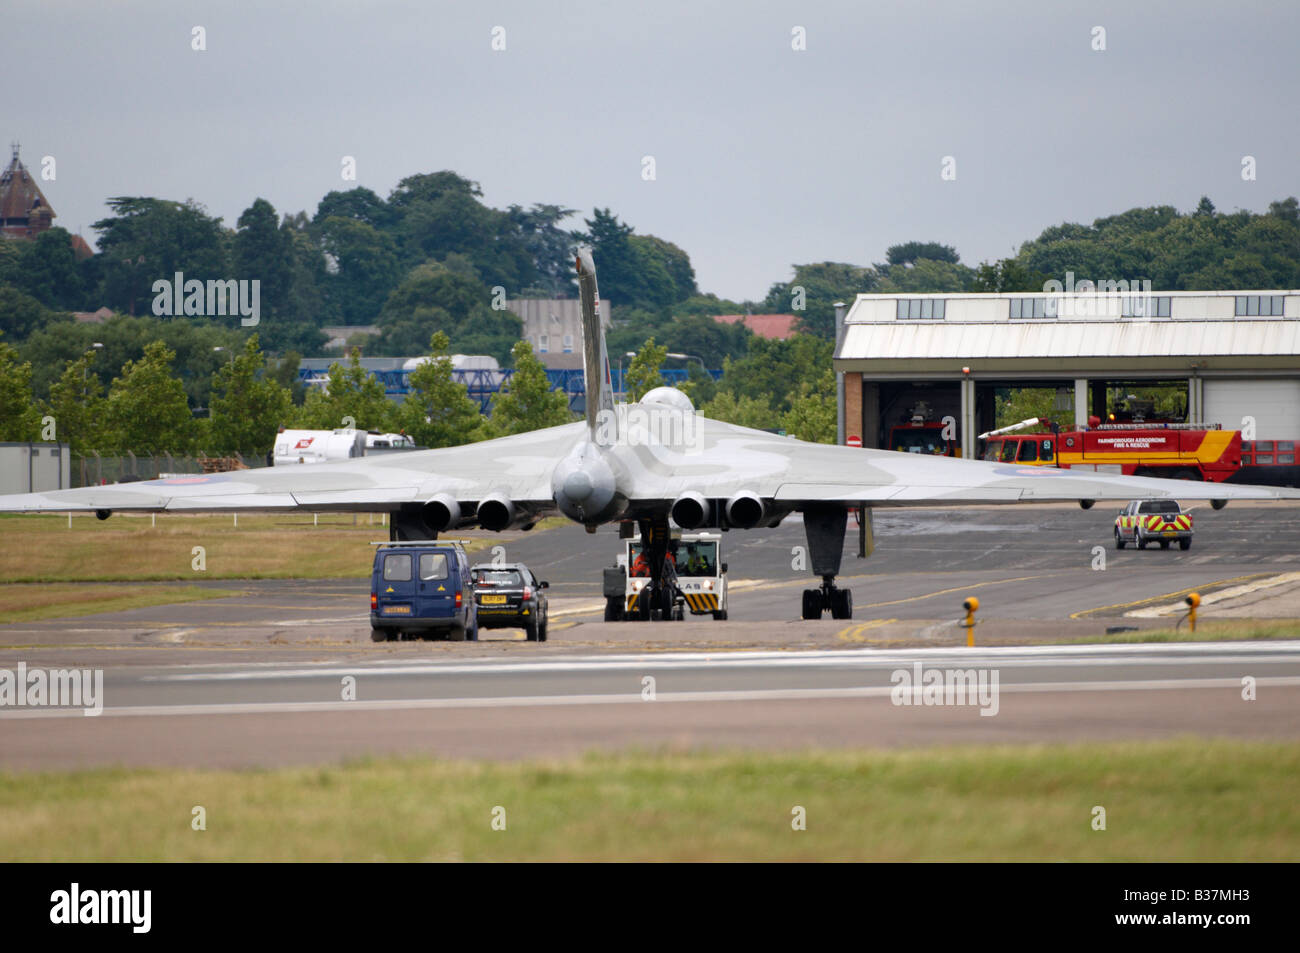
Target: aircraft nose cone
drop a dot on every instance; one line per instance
(577, 486)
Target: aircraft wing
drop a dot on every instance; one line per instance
(718, 461)
(518, 468)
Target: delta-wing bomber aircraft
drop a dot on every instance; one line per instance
(640, 465)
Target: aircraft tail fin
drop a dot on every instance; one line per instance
(599, 384)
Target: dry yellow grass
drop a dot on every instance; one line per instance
(27, 603)
(130, 547)
(1218, 630)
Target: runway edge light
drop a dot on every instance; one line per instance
(971, 605)
(1193, 600)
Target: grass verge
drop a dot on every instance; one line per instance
(29, 603)
(42, 548)
(1182, 800)
(1244, 630)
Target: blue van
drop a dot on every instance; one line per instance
(422, 589)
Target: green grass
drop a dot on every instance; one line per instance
(28, 603)
(1219, 631)
(41, 548)
(1185, 800)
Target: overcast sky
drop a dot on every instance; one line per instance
(764, 156)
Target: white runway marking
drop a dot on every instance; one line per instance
(633, 697)
(1006, 657)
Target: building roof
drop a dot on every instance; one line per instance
(775, 326)
(92, 317)
(979, 328)
(21, 198)
(337, 335)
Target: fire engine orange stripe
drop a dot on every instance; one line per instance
(1214, 446)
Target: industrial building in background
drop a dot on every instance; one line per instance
(944, 357)
(34, 467)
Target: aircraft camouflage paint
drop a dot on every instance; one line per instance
(639, 465)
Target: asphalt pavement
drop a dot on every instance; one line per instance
(270, 714)
(285, 672)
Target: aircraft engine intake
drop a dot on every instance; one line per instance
(495, 512)
(441, 513)
(745, 510)
(691, 510)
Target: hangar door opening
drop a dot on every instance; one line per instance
(910, 416)
(1274, 404)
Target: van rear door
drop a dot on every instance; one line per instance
(395, 584)
(437, 582)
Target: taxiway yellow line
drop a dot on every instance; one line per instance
(854, 632)
(974, 585)
(1082, 613)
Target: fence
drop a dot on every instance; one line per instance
(92, 469)
(483, 385)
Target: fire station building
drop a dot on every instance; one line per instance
(902, 356)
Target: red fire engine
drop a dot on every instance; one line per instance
(1175, 451)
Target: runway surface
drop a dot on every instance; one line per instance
(259, 678)
(1041, 572)
(269, 714)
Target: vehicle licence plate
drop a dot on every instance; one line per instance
(492, 600)
(1169, 532)
(397, 610)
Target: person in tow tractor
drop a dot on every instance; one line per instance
(696, 564)
(640, 565)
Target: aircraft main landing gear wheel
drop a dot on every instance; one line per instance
(812, 604)
(829, 596)
(613, 610)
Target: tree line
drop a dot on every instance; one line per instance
(145, 409)
(433, 256)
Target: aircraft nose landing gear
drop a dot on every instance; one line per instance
(829, 596)
(660, 600)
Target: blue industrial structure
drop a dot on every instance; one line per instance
(483, 384)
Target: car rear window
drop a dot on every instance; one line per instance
(502, 578)
(397, 567)
(433, 566)
(1160, 506)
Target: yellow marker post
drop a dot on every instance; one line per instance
(971, 605)
(1193, 600)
